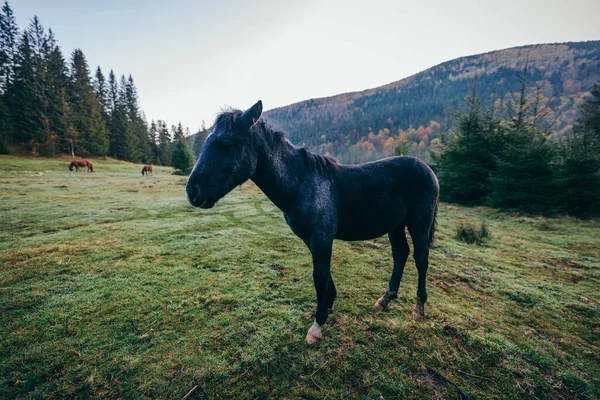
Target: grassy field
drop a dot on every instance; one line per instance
(111, 286)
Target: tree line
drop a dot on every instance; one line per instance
(506, 155)
(50, 105)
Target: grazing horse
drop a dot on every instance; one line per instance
(81, 163)
(322, 200)
(147, 170)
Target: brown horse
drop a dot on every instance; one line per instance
(81, 163)
(147, 170)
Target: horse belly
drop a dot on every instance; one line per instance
(368, 224)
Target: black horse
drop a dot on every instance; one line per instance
(322, 200)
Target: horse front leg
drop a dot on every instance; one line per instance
(321, 255)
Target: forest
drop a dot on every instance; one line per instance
(50, 105)
(509, 158)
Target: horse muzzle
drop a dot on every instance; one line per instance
(197, 199)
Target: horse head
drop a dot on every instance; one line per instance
(228, 159)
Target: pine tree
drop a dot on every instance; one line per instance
(23, 98)
(87, 113)
(164, 143)
(9, 35)
(581, 161)
(182, 158)
(465, 162)
(56, 84)
(524, 176)
(153, 141)
(117, 120)
(101, 90)
(178, 133)
(138, 149)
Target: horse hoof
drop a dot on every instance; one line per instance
(381, 304)
(314, 334)
(419, 312)
(310, 339)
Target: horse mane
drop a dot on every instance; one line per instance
(320, 164)
(317, 163)
(229, 116)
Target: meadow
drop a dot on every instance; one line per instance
(112, 286)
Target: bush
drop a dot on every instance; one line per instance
(470, 233)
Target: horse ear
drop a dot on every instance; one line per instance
(251, 115)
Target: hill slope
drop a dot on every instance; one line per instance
(341, 124)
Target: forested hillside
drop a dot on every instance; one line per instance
(409, 113)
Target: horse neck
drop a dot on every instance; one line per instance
(277, 172)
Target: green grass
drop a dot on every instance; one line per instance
(111, 286)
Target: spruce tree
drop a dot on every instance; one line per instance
(465, 163)
(23, 98)
(87, 113)
(182, 158)
(153, 141)
(164, 143)
(101, 89)
(524, 175)
(117, 120)
(9, 36)
(581, 161)
(56, 86)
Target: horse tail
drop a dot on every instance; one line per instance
(143, 170)
(433, 226)
(71, 167)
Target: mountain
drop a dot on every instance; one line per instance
(366, 125)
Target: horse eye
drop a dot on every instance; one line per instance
(225, 143)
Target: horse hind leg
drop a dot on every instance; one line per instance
(420, 230)
(400, 252)
(331, 293)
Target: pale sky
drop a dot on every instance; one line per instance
(190, 58)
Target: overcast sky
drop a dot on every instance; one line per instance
(189, 58)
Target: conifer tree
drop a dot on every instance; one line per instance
(465, 163)
(164, 143)
(581, 161)
(87, 114)
(153, 141)
(182, 158)
(524, 174)
(138, 149)
(101, 89)
(178, 132)
(117, 120)
(55, 89)
(23, 97)
(9, 35)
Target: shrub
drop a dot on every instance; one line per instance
(470, 233)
